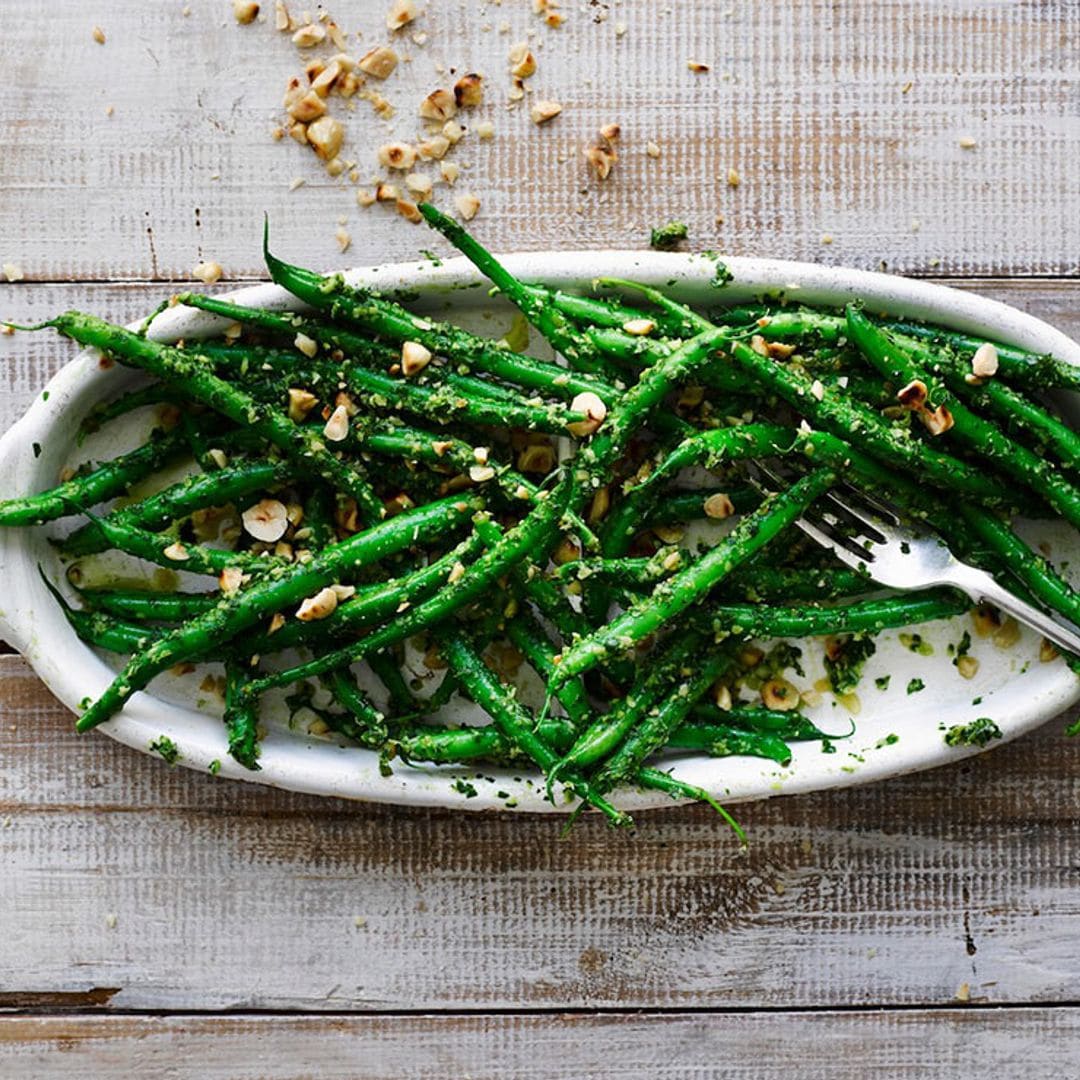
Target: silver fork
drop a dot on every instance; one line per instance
(894, 554)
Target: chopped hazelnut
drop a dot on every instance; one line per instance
(485, 130)
(610, 132)
(98, 35)
(435, 148)
(985, 361)
(968, 666)
(601, 503)
(307, 37)
(449, 171)
(281, 16)
(913, 395)
(379, 62)
(419, 184)
(652, 149)
(414, 358)
(522, 61)
(594, 409)
(439, 105)
(276, 623)
(267, 520)
(319, 606)
(779, 694)
(937, 421)
(306, 107)
(308, 346)
(409, 211)
(397, 156)
(718, 506)
(967, 142)
(336, 428)
(457, 572)
(386, 192)
(601, 159)
(467, 205)
(401, 13)
(326, 136)
(1047, 651)
(230, 579)
(208, 272)
(697, 67)
(480, 474)
(244, 11)
(343, 239)
(176, 552)
(639, 327)
(301, 402)
(469, 90)
(324, 82)
(543, 111)
(13, 272)
(733, 178)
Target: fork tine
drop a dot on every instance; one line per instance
(887, 512)
(875, 529)
(851, 549)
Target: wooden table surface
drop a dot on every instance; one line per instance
(161, 923)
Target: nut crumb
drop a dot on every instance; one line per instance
(401, 13)
(307, 37)
(98, 35)
(344, 240)
(12, 272)
(697, 67)
(467, 205)
(652, 149)
(967, 142)
(245, 11)
(733, 178)
(209, 273)
(379, 62)
(543, 111)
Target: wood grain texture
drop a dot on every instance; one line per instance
(805, 100)
(165, 889)
(1034, 1043)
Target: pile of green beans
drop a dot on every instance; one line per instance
(364, 485)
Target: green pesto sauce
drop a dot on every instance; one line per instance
(978, 733)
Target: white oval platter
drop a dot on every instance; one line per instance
(896, 732)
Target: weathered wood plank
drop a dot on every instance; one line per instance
(1034, 1043)
(157, 888)
(841, 118)
(27, 361)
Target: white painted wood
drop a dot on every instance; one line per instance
(230, 896)
(806, 101)
(954, 1043)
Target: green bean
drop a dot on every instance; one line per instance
(1028, 370)
(172, 365)
(755, 620)
(366, 724)
(105, 412)
(656, 728)
(290, 585)
(386, 668)
(107, 480)
(512, 719)
(241, 716)
(725, 740)
(606, 732)
(533, 536)
(148, 604)
(789, 726)
(967, 427)
(195, 492)
(691, 584)
(363, 308)
(456, 398)
(563, 336)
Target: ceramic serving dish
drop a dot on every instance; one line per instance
(896, 731)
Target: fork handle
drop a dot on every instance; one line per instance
(981, 586)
